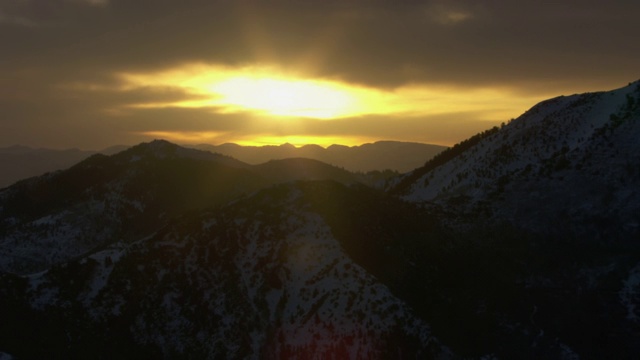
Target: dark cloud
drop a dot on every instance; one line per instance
(380, 43)
(528, 46)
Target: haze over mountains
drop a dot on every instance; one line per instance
(381, 155)
(520, 242)
(21, 162)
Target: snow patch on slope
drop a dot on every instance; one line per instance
(630, 294)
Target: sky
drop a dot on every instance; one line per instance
(95, 73)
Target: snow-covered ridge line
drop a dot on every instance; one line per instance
(563, 125)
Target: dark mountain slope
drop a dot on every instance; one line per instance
(323, 266)
(492, 290)
(544, 214)
(301, 168)
(261, 278)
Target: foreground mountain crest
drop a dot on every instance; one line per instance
(569, 158)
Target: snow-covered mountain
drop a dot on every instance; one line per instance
(548, 209)
(162, 251)
(569, 162)
(261, 278)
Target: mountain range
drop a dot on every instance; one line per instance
(519, 242)
(380, 155)
(21, 162)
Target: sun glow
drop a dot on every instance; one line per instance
(301, 140)
(255, 89)
(270, 100)
(275, 93)
(211, 137)
(283, 97)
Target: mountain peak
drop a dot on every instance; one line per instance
(551, 158)
(163, 149)
(158, 148)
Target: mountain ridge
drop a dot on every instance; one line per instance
(562, 145)
(381, 155)
(75, 210)
(19, 162)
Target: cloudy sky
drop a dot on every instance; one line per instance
(94, 73)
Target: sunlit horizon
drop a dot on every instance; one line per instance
(216, 139)
(277, 106)
(92, 73)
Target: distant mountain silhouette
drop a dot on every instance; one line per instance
(301, 168)
(20, 162)
(381, 155)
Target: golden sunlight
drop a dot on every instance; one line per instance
(301, 140)
(209, 137)
(276, 93)
(256, 89)
(282, 97)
